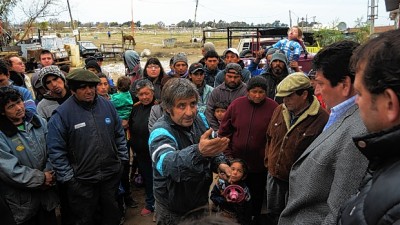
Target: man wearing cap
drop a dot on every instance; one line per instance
(196, 75)
(276, 72)
(245, 124)
(87, 148)
(98, 58)
(231, 55)
(179, 67)
(294, 125)
(232, 88)
(331, 168)
(53, 80)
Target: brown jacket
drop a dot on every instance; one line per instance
(285, 144)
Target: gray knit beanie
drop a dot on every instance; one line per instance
(180, 57)
(279, 56)
(47, 71)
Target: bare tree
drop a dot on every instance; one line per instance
(39, 9)
(5, 8)
(334, 23)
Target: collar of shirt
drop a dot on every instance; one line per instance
(338, 110)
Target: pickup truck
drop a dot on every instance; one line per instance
(87, 48)
(248, 46)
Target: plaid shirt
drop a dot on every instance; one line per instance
(292, 49)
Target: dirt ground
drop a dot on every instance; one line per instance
(132, 216)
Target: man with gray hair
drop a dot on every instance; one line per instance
(232, 88)
(182, 154)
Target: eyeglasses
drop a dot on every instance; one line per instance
(153, 67)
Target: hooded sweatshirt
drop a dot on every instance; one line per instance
(132, 65)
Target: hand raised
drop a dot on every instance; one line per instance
(212, 147)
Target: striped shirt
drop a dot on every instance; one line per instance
(292, 49)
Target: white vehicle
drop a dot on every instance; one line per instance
(248, 46)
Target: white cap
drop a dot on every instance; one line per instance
(233, 50)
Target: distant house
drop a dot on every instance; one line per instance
(377, 29)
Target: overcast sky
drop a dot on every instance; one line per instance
(256, 11)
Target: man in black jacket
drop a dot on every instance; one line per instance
(276, 72)
(377, 83)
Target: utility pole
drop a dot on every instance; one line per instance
(373, 15)
(70, 16)
(132, 24)
(195, 14)
(290, 18)
(72, 20)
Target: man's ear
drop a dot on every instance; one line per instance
(347, 86)
(391, 105)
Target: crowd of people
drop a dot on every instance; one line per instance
(214, 141)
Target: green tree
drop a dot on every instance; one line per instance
(57, 25)
(138, 23)
(328, 36)
(362, 34)
(44, 26)
(113, 24)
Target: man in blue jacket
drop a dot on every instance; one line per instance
(26, 179)
(87, 147)
(182, 153)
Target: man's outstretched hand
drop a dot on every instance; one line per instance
(212, 147)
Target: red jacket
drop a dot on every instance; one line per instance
(245, 123)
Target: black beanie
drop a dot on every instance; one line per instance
(93, 64)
